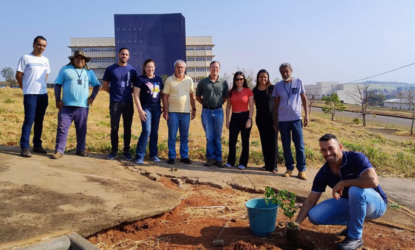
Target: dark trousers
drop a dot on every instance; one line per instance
(126, 109)
(236, 125)
(34, 112)
(65, 117)
(269, 140)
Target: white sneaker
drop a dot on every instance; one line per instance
(241, 167)
(228, 165)
(155, 159)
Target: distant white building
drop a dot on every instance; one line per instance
(397, 104)
(320, 89)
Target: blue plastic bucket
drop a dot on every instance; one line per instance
(262, 217)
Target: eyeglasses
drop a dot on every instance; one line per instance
(239, 79)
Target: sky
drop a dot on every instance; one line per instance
(324, 40)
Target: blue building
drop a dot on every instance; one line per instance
(161, 37)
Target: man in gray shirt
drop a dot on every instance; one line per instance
(289, 94)
(212, 92)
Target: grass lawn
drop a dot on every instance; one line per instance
(391, 155)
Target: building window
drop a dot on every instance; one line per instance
(190, 69)
(85, 49)
(190, 59)
(196, 80)
(200, 59)
(110, 60)
(209, 58)
(209, 47)
(190, 48)
(200, 47)
(96, 60)
(95, 49)
(200, 69)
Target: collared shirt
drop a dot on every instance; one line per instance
(75, 84)
(178, 91)
(211, 92)
(353, 165)
(289, 108)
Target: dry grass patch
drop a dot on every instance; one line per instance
(390, 156)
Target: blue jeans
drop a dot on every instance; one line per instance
(150, 128)
(212, 121)
(34, 112)
(181, 122)
(296, 128)
(362, 203)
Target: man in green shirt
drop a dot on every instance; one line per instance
(212, 92)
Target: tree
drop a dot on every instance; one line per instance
(8, 74)
(361, 95)
(400, 96)
(410, 95)
(333, 104)
(276, 79)
(311, 98)
(164, 77)
(229, 79)
(249, 76)
(377, 99)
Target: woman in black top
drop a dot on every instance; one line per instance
(264, 103)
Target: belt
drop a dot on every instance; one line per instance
(212, 108)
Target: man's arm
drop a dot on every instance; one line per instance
(166, 107)
(57, 90)
(105, 86)
(305, 105)
(276, 106)
(308, 204)
(368, 179)
(199, 99)
(19, 78)
(193, 105)
(94, 94)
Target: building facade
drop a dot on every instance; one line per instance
(320, 89)
(398, 104)
(199, 55)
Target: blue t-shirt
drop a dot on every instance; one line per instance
(75, 84)
(121, 79)
(289, 108)
(353, 165)
(150, 89)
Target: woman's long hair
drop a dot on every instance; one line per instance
(145, 64)
(234, 87)
(257, 78)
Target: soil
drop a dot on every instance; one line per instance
(207, 214)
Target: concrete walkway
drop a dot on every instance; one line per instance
(40, 197)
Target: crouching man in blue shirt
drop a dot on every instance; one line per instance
(356, 192)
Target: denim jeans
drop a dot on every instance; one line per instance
(150, 128)
(65, 117)
(126, 109)
(34, 112)
(212, 121)
(181, 122)
(296, 128)
(362, 203)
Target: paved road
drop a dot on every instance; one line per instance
(379, 118)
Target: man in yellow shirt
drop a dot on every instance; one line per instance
(178, 98)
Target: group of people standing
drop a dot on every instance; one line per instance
(278, 107)
(356, 191)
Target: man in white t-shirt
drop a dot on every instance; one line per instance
(31, 74)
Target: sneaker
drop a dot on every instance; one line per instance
(344, 232)
(219, 164)
(56, 155)
(288, 173)
(302, 175)
(210, 162)
(228, 165)
(127, 156)
(241, 167)
(25, 152)
(155, 159)
(112, 155)
(82, 153)
(186, 161)
(350, 243)
(170, 161)
(40, 150)
(139, 161)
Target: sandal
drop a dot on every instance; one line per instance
(264, 168)
(275, 170)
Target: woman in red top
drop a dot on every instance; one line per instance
(239, 99)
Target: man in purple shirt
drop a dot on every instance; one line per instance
(289, 95)
(356, 193)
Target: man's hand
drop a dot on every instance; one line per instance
(276, 126)
(166, 116)
(193, 115)
(143, 115)
(89, 101)
(59, 105)
(338, 190)
(305, 120)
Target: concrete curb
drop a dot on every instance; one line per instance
(72, 241)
